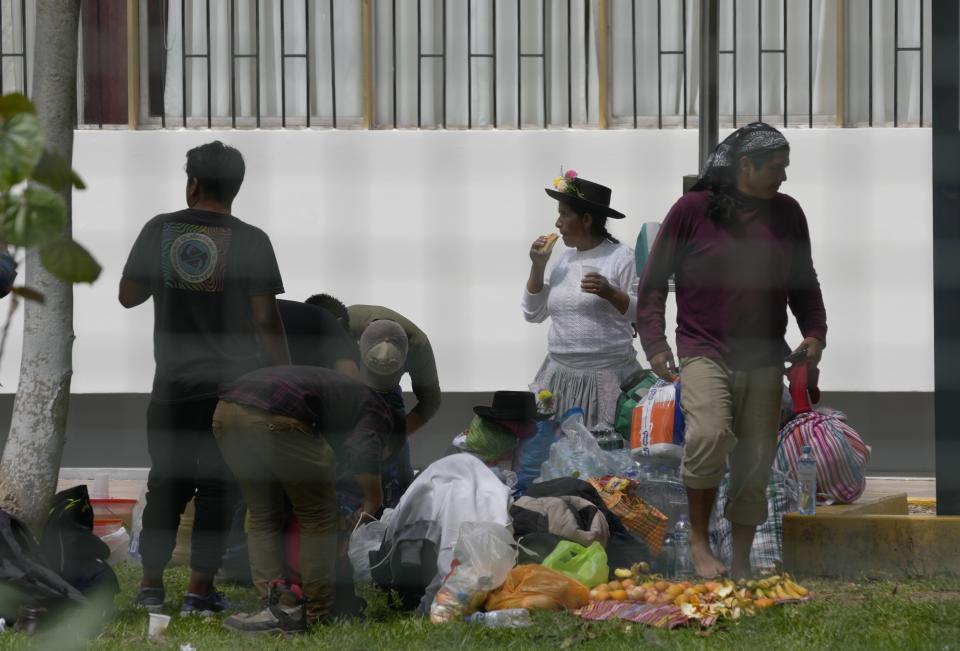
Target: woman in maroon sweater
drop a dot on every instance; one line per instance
(740, 254)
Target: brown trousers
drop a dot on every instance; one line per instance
(732, 417)
(272, 456)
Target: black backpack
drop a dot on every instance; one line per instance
(70, 548)
(24, 579)
(407, 563)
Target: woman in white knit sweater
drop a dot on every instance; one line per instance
(590, 297)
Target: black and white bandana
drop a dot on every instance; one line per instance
(754, 137)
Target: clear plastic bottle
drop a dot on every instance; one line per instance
(681, 543)
(807, 476)
(509, 618)
(665, 560)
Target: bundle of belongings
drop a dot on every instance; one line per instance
(65, 569)
(418, 540)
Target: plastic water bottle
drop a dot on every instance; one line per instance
(534, 451)
(509, 618)
(666, 559)
(681, 543)
(807, 476)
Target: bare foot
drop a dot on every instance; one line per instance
(704, 562)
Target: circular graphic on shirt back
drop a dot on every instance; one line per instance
(194, 256)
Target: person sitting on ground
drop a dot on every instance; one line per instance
(589, 298)
(282, 430)
(391, 345)
(495, 430)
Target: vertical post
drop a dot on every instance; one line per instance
(709, 78)
(842, 62)
(366, 16)
(603, 62)
(133, 63)
(946, 243)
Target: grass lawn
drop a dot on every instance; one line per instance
(868, 614)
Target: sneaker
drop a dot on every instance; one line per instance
(272, 620)
(150, 599)
(194, 604)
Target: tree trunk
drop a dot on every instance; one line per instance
(31, 460)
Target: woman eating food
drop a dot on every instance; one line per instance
(590, 297)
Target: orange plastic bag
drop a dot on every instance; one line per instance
(536, 587)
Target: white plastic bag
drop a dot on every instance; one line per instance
(365, 539)
(119, 542)
(482, 559)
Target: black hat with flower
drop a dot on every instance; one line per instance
(583, 196)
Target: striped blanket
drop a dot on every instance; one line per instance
(841, 454)
(659, 616)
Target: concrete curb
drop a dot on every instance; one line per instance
(853, 545)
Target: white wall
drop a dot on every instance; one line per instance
(437, 225)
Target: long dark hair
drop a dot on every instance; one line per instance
(723, 204)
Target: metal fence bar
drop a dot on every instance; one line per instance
(682, 53)
(233, 65)
(810, 63)
(570, 64)
(897, 49)
(586, 53)
(733, 52)
(297, 55)
(393, 43)
(633, 52)
(99, 69)
(870, 63)
(234, 55)
(433, 55)
(306, 55)
(471, 55)
(209, 81)
(333, 67)
(521, 55)
(761, 51)
(183, 60)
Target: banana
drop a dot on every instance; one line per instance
(792, 586)
(781, 593)
(759, 594)
(776, 578)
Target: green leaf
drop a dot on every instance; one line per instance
(28, 294)
(14, 104)
(54, 172)
(69, 261)
(33, 218)
(21, 146)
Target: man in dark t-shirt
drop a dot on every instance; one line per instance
(315, 338)
(213, 280)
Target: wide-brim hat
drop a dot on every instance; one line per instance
(589, 197)
(511, 405)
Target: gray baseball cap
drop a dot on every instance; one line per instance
(383, 349)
